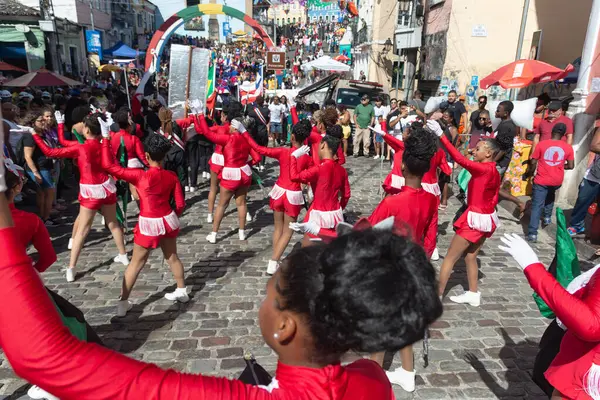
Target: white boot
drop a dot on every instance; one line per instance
(212, 237)
(209, 218)
(36, 392)
(242, 234)
(272, 267)
(402, 377)
(71, 274)
(122, 307)
(122, 258)
(187, 189)
(435, 255)
(180, 295)
(192, 189)
(471, 298)
(69, 246)
(248, 217)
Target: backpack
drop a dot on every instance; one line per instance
(20, 153)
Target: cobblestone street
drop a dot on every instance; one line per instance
(475, 353)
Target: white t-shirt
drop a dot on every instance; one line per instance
(277, 111)
(381, 111)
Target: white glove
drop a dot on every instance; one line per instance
(238, 126)
(105, 126)
(301, 151)
(377, 130)
(518, 248)
(197, 107)
(60, 118)
(435, 127)
(92, 109)
(305, 227)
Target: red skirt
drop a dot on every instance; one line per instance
(233, 186)
(282, 204)
(215, 168)
(96, 204)
(462, 229)
(152, 242)
(392, 185)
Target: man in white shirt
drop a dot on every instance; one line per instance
(277, 111)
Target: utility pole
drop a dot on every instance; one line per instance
(92, 16)
(51, 34)
(514, 92)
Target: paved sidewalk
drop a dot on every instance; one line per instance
(210, 333)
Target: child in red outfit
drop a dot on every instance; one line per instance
(97, 191)
(286, 198)
(479, 221)
(158, 224)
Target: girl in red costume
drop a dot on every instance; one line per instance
(412, 209)
(236, 175)
(133, 145)
(286, 196)
(97, 191)
(158, 224)
(575, 371)
(330, 181)
(394, 181)
(479, 221)
(296, 320)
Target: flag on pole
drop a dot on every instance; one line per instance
(249, 93)
(122, 210)
(565, 266)
(211, 93)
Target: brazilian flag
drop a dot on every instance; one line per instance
(565, 266)
(123, 187)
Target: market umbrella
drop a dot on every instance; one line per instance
(341, 58)
(4, 66)
(326, 63)
(523, 73)
(42, 77)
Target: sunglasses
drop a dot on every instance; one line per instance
(482, 119)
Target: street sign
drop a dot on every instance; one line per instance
(475, 81)
(276, 60)
(479, 31)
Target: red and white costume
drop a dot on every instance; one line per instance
(42, 351)
(314, 140)
(236, 172)
(330, 181)
(415, 213)
(430, 179)
(286, 195)
(394, 181)
(31, 230)
(136, 157)
(579, 312)
(480, 219)
(96, 188)
(155, 187)
(217, 161)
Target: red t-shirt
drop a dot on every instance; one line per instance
(544, 128)
(551, 155)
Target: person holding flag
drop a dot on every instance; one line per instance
(158, 223)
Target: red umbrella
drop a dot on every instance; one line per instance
(4, 66)
(342, 58)
(522, 73)
(42, 77)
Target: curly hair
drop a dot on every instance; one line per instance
(494, 146)
(92, 123)
(157, 146)
(420, 147)
(367, 291)
(329, 117)
(301, 130)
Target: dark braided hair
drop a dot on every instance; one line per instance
(92, 123)
(367, 291)
(157, 146)
(333, 137)
(420, 147)
(302, 130)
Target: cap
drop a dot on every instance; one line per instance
(365, 97)
(46, 95)
(5, 94)
(559, 128)
(23, 95)
(554, 105)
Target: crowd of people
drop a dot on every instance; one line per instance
(320, 301)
